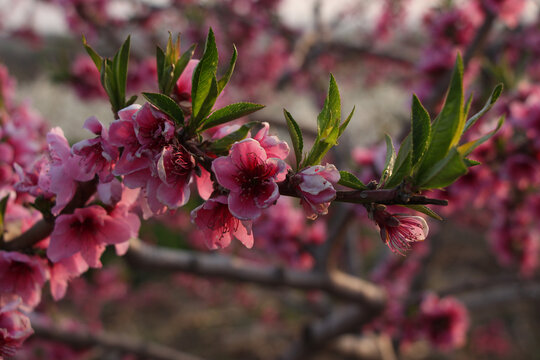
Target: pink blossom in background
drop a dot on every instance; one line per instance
(400, 231)
(85, 78)
(87, 231)
(315, 185)
(215, 220)
(444, 322)
(15, 327)
(23, 276)
(251, 178)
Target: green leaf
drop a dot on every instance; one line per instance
(180, 66)
(225, 79)
(389, 162)
(167, 105)
(467, 106)
(224, 144)
(321, 147)
(444, 172)
(424, 210)
(468, 148)
(343, 126)
(349, 180)
(229, 113)
(403, 164)
(489, 104)
(3, 206)
(131, 100)
(204, 75)
(421, 130)
(471, 163)
(207, 104)
(447, 128)
(160, 64)
(120, 63)
(296, 137)
(330, 115)
(98, 60)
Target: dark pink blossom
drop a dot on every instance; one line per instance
(15, 328)
(97, 155)
(251, 178)
(175, 168)
(315, 185)
(444, 322)
(400, 231)
(219, 225)
(153, 130)
(87, 231)
(23, 276)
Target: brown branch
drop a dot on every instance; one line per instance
(43, 228)
(220, 266)
(369, 346)
(83, 339)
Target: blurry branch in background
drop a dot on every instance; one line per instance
(220, 266)
(366, 347)
(80, 339)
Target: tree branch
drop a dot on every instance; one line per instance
(335, 283)
(124, 344)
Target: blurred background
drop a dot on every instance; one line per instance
(484, 255)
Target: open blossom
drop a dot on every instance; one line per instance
(153, 130)
(15, 328)
(23, 276)
(274, 147)
(315, 185)
(63, 271)
(444, 322)
(87, 231)
(251, 178)
(400, 231)
(219, 225)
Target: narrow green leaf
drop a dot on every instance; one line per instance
(349, 180)
(121, 61)
(167, 105)
(471, 163)
(229, 113)
(467, 106)
(424, 210)
(389, 162)
(403, 164)
(225, 79)
(444, 172)
(160, 64)
(131, 100)
(330, 115)
(489, 104)
(207, 104)
(421, 130)
(447, 128)
(296, 137)
(93, 54)
(468, 148)
(344, 125)
(224, 144)
(321, 147)
(204, 74)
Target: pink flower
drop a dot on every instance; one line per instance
(15, 328)
(153, 130)
(400, 231)
(97, 155)
(443, 321)
(175, 167)
(87, 231)
(63, 271)
(251, 178)
(23, 276)
(219, 225)
(274, 147)
(315, 185)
